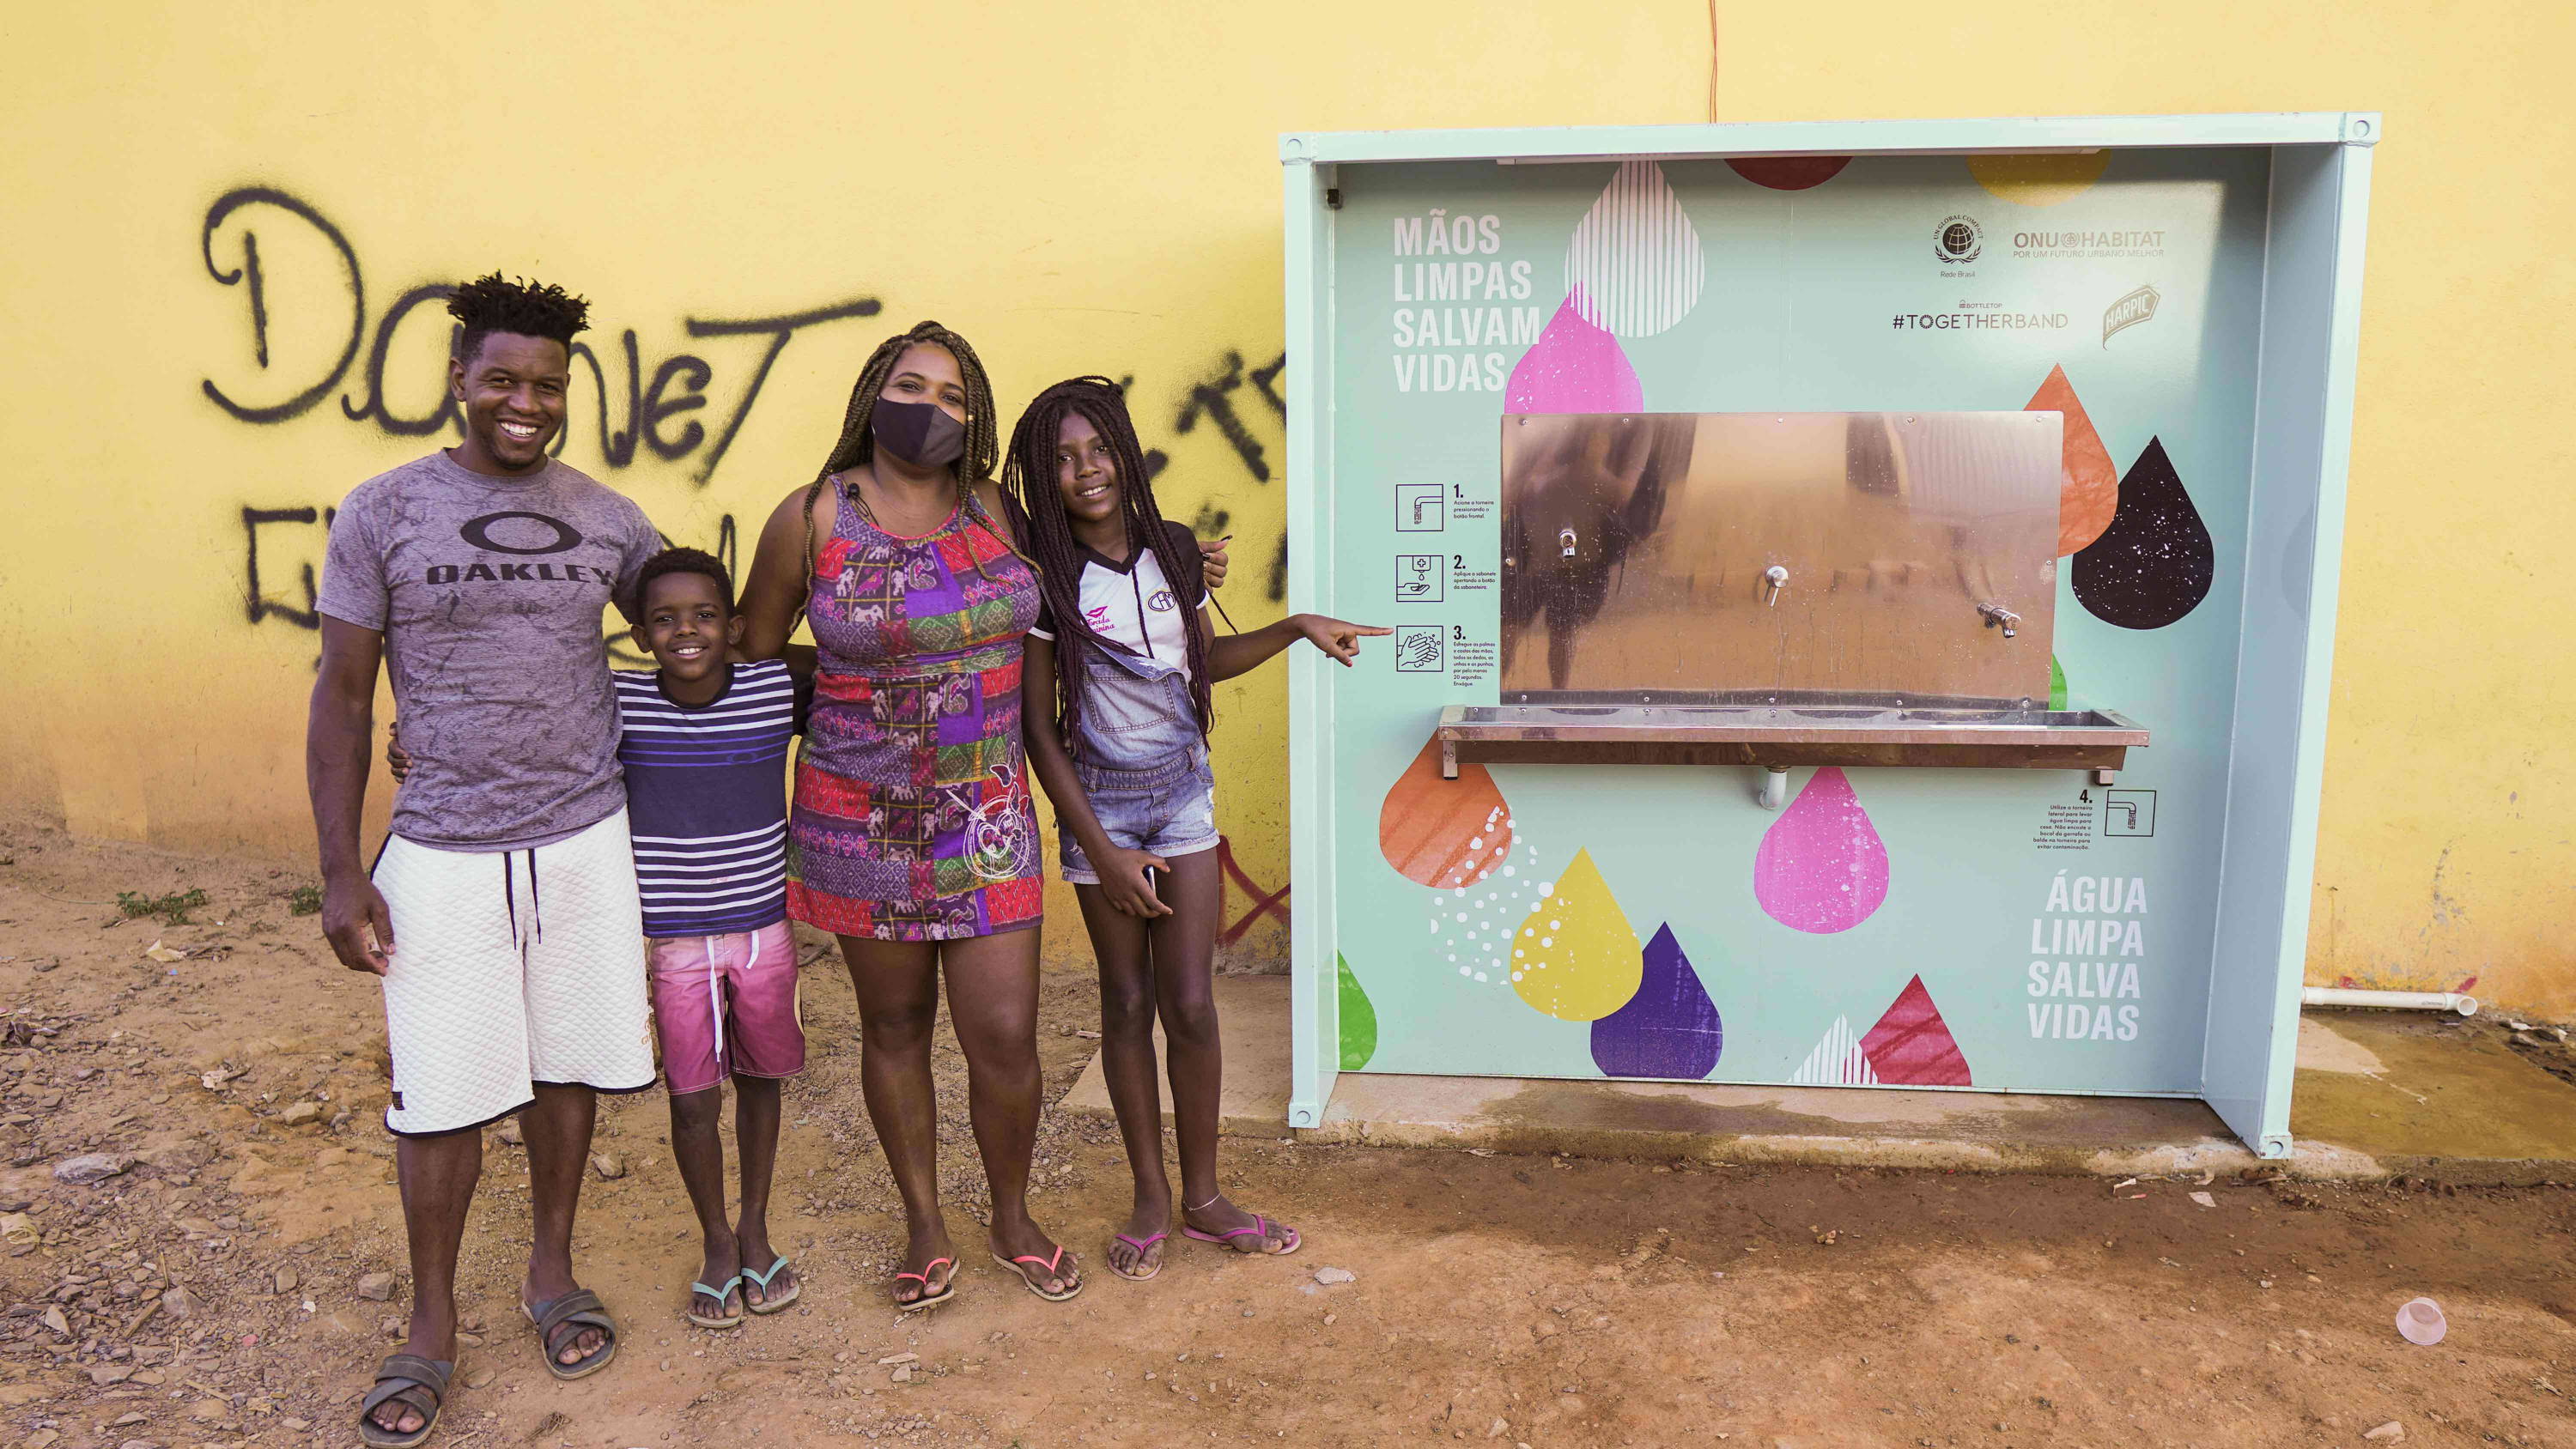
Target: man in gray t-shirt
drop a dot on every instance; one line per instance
(489, 592)
(502, 913)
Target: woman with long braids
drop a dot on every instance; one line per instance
(912, 836)
(1116, 699)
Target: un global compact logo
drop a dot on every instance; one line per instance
(1959, 240)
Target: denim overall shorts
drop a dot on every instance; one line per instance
(1141, 760)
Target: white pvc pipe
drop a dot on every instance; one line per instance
(2395, 1000)
(1775, 788)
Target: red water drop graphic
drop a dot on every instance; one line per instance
(1911, 1046)
(1574, 367)
(1821, 867)
(1789, 173)
(2089, 488)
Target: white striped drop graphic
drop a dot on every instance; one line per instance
(1635, 266)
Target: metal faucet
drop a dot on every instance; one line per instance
(1565, 541)
(1999, 617)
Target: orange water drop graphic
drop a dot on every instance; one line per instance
(2089, 482)
(1444, 833)
(1576, 958)
(1821, 867)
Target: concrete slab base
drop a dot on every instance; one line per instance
(2467, 1116)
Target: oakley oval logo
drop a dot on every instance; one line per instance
(478, 532)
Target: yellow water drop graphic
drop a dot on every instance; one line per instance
(2039, 180)
(1584, 961)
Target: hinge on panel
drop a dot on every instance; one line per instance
(1332, 198)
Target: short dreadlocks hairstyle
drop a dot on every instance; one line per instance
(858, 444)
(675, 561)
(531, 309)
(1029, 482)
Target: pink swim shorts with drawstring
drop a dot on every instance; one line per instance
(726, 1006)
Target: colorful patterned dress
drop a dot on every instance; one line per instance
(912, 819)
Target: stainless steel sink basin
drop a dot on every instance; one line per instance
(1782, 735)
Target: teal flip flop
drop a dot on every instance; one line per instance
(728, 1289)
(768, 1305)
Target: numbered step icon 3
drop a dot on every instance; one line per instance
(1420, 649)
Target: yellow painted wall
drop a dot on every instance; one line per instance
(1094, 189)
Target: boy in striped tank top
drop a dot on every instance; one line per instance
(704, 743)
(704, 740)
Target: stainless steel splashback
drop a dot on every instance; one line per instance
(1661, 557)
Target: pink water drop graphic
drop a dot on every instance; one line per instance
(1574, 367)
(1821, 867)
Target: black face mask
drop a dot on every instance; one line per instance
(921, 434)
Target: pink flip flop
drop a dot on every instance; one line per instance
(1142, 1247)
(1049, 1264)
(1260, 1225)
(928, 1299)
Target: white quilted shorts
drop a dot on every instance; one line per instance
(512, 969)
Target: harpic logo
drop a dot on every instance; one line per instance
(1958, 241)
(2129, 311)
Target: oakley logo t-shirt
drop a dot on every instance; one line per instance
(490, 594)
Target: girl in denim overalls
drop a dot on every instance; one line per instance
(1115, 704)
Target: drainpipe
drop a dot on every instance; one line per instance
(2395, 1000)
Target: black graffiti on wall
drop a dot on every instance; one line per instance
(679, 384)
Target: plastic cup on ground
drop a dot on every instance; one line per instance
(2420, 1322)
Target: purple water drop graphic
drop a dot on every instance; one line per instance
(1574, 367)
(2153, 565)
(1669, 1029)
(1821, 867)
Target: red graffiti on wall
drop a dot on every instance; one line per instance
(1264, 903)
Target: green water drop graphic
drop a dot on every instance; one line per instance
(1359, 1019)
(2056, 684)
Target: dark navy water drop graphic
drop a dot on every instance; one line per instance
(1669, 1029)
(2153, 564)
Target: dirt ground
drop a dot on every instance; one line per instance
(212, 1291)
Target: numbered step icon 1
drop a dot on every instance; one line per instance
(1421, 578)
(1420, 508)
(1420, 649)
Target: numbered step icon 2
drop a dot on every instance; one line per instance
(1421, 578)
(1420, 649)
(1420, 508)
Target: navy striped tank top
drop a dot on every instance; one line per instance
(706, 799)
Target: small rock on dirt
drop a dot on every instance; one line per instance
(481, 1376)
(54, 1319)
(510, 1132)
(2204, 1199)
(1329, 1276)
(283, 1281)
(91, 1167)
(608, 1165)
(178, 1302)
(302, 1114)
(110, 1373)
(377, 1287)
(2388, 1433)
